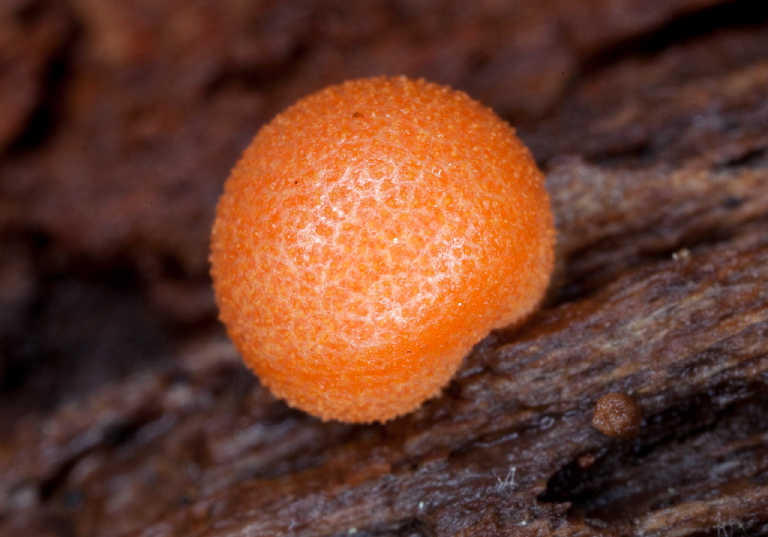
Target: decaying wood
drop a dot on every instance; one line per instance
(125, 410)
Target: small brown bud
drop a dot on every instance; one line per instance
(617, 415)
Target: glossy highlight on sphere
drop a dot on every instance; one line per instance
(369, 236)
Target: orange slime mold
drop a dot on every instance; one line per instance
(370, 235)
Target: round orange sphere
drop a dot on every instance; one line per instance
(369, 236)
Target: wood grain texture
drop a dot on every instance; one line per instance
(124, 411)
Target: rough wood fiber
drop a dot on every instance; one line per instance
(124, 411)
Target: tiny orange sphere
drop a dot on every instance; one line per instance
(369, 236)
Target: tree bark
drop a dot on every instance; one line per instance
(125, 410)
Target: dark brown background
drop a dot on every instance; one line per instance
(124, 411)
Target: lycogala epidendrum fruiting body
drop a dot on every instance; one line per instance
(370, 235)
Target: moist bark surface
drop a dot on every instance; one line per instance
(124, 409)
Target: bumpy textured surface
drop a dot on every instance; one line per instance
(617, 415)
(390, 224)
(124, 410)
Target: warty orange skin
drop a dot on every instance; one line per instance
(369, 236)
